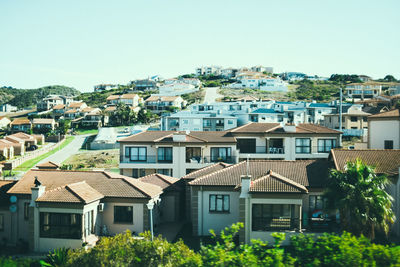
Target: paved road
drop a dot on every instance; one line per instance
(69, 150)
(211, 94)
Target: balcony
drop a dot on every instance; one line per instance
(262, 150)
(142, 159)
(202, 160)
(275, 224)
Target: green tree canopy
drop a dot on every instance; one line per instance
(359, 195)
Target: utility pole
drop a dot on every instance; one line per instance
(340, 116)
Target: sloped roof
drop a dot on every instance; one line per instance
(43, 121)
(253, 127)
(113, 97)
(161, 98)
(192, 137)
(23, 136)
(161, 180)
(71, 111)
(206, 170)
(276, 183)
(76, 104)
(385, 160)
(79, 192)
(395, 113)
(59, 106)
(308, 173)
(20, 121)
(108, 184)
(48, 164)
(304, 128)
(128, 96)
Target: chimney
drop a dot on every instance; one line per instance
(179, 137)
(245, 185)
(289, 128)
(37, 191)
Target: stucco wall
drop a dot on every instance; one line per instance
(116, 228)
(382, 130)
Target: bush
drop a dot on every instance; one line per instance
(126, 250)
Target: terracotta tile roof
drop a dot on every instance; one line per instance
(71, 111)
(192, 137)
(14, 139)
(6, 143)
(88, 109)
(258, 127)
(385, 160)
(112, 108)
(108, 184)
(23, 136)
(59, 106)
(276, 183)
(113, 97)
(76, 104)
(254, 127)
(128, 96)
(43, 121)
(48, 164)
(308, 173)
(160, 180)
(206, 170)
(79, 192)
(388, 114)
(161, 98)
(20, 121)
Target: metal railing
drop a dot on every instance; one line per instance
(263, 150)
(275, 224)
(142, 159)
(208, 159)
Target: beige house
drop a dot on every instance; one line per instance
(132, 100)
(56, 208)
(266, 195)
(384, 130)
(20, 125)
(158, 104)
(17, 143)
(354, 121)
(44, 124)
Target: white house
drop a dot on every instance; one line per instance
(362, 91)
(4, 122)
(158, 103)
(384, 130)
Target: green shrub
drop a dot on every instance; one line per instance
(126, 250)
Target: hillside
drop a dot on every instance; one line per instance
(23, 98)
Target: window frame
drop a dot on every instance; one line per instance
(164, 157)
(1, 222)
(388, 144)
(75, 229)
(140, 158)
(324, 146)
(214, 203)
(117, 218)
(302, 146)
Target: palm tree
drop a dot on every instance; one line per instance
(359, 195)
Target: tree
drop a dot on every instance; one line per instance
(359, 195)
(63, 126)
(123, 115)
(389, 78)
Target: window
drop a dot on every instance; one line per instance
(316, 203)
(303, 145)
(26, 211)
(1, 222)
(164, 171)
(123, 214)
(193, 154)
(365, 119)
(388, 144)
(219, 203)
(206, 123)
(246, 145)
(60, 225)
(268, 217)
(353, 118)
(136, 153)
(325, 145)
(220, 154)
(164, 154)
(185, 121)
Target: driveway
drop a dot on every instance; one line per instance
(67, 151)
(211, 94)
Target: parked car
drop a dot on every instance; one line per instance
(32, 148)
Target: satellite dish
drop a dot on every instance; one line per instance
(13, 208)
(13, 199)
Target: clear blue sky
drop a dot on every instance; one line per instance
(82, 43)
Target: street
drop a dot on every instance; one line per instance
(211, 94)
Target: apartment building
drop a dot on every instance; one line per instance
(208, 70)
(145, 85)
(179, 153)
(43, 124)
(158, 103)
(104, 87)
(186, 120)
(50, 101)
(174, 153)
(362, 91)
(384, 130)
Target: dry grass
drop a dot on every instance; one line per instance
(90, 159)
(237, 93)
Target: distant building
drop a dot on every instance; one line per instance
(132, 100)
(145, 85)
(8, 108)
(228, 72)
(158, 104)
(40, 124)
(384, 130)
(105, 87)
(50, 101)
(4, 122)
(21, 125)
(260, 68)
(362, 91)
(365, 78)
(208, 70)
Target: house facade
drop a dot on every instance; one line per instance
(384, 130)
(132, 100)
(158, 104)
(365, 90)
(20, 125)
(53, 208)
(43, 124)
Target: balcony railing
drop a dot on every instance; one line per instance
(275, 224)
(139, 159)
(263, 150)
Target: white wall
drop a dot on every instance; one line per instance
(216, 221)
(116, 228)
(382, 130)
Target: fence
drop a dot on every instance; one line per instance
(11, 164)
